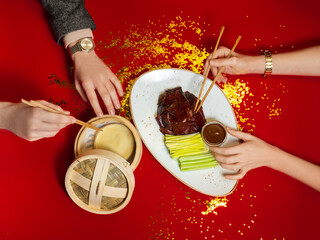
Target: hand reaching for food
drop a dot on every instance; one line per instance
(251, 153)
(235, 65)
(91, 75)
(254, 152)
(301, 62)
(33, 123)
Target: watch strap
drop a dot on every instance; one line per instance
(75, 48)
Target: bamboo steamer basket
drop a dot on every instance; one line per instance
(100, 181)
(86, 136)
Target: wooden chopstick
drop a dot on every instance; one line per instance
(218, 74)
(208, 69)
(36, 104)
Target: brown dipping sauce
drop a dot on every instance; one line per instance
(214, 133)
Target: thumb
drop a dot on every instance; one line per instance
(238, 134)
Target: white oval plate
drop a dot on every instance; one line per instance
(143, 104)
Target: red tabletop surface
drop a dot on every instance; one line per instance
(134, 37)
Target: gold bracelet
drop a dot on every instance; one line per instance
(268, 57)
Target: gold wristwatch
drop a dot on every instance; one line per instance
(268, 57)
(82, 45)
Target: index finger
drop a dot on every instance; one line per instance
(55, 118)
(221, 52)
(53, 106)
(92, 97)
(227, 150)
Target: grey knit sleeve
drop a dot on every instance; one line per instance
(66, 16)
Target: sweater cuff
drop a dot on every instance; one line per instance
(76, 35)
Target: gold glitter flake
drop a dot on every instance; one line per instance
(213, 204)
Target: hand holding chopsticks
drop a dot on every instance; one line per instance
(197, 107)
(37, 104)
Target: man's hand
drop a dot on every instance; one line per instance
(91, 75)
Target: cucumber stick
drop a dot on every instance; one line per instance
(190, 151)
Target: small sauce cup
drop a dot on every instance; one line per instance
(214, 133)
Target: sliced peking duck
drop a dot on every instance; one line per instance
(175, 113)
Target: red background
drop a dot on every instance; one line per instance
(266, 203)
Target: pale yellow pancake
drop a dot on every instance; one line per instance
(117, 138)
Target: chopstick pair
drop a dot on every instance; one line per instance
(36, 104)
(197, 107)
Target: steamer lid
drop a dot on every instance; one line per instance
(100, 181)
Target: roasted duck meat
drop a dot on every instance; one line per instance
(175, 113)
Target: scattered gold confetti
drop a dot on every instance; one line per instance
(236, 92)
(145, 49)
(215, 203)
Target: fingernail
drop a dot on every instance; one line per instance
(66, 112)
(117, 106)
(111, 112)
(100, 115)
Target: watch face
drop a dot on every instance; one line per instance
(87, 44)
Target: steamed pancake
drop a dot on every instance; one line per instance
(117, 138)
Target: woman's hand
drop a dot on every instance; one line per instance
(235, 65)
(251, 153)
(32, 123)
(92, 75)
